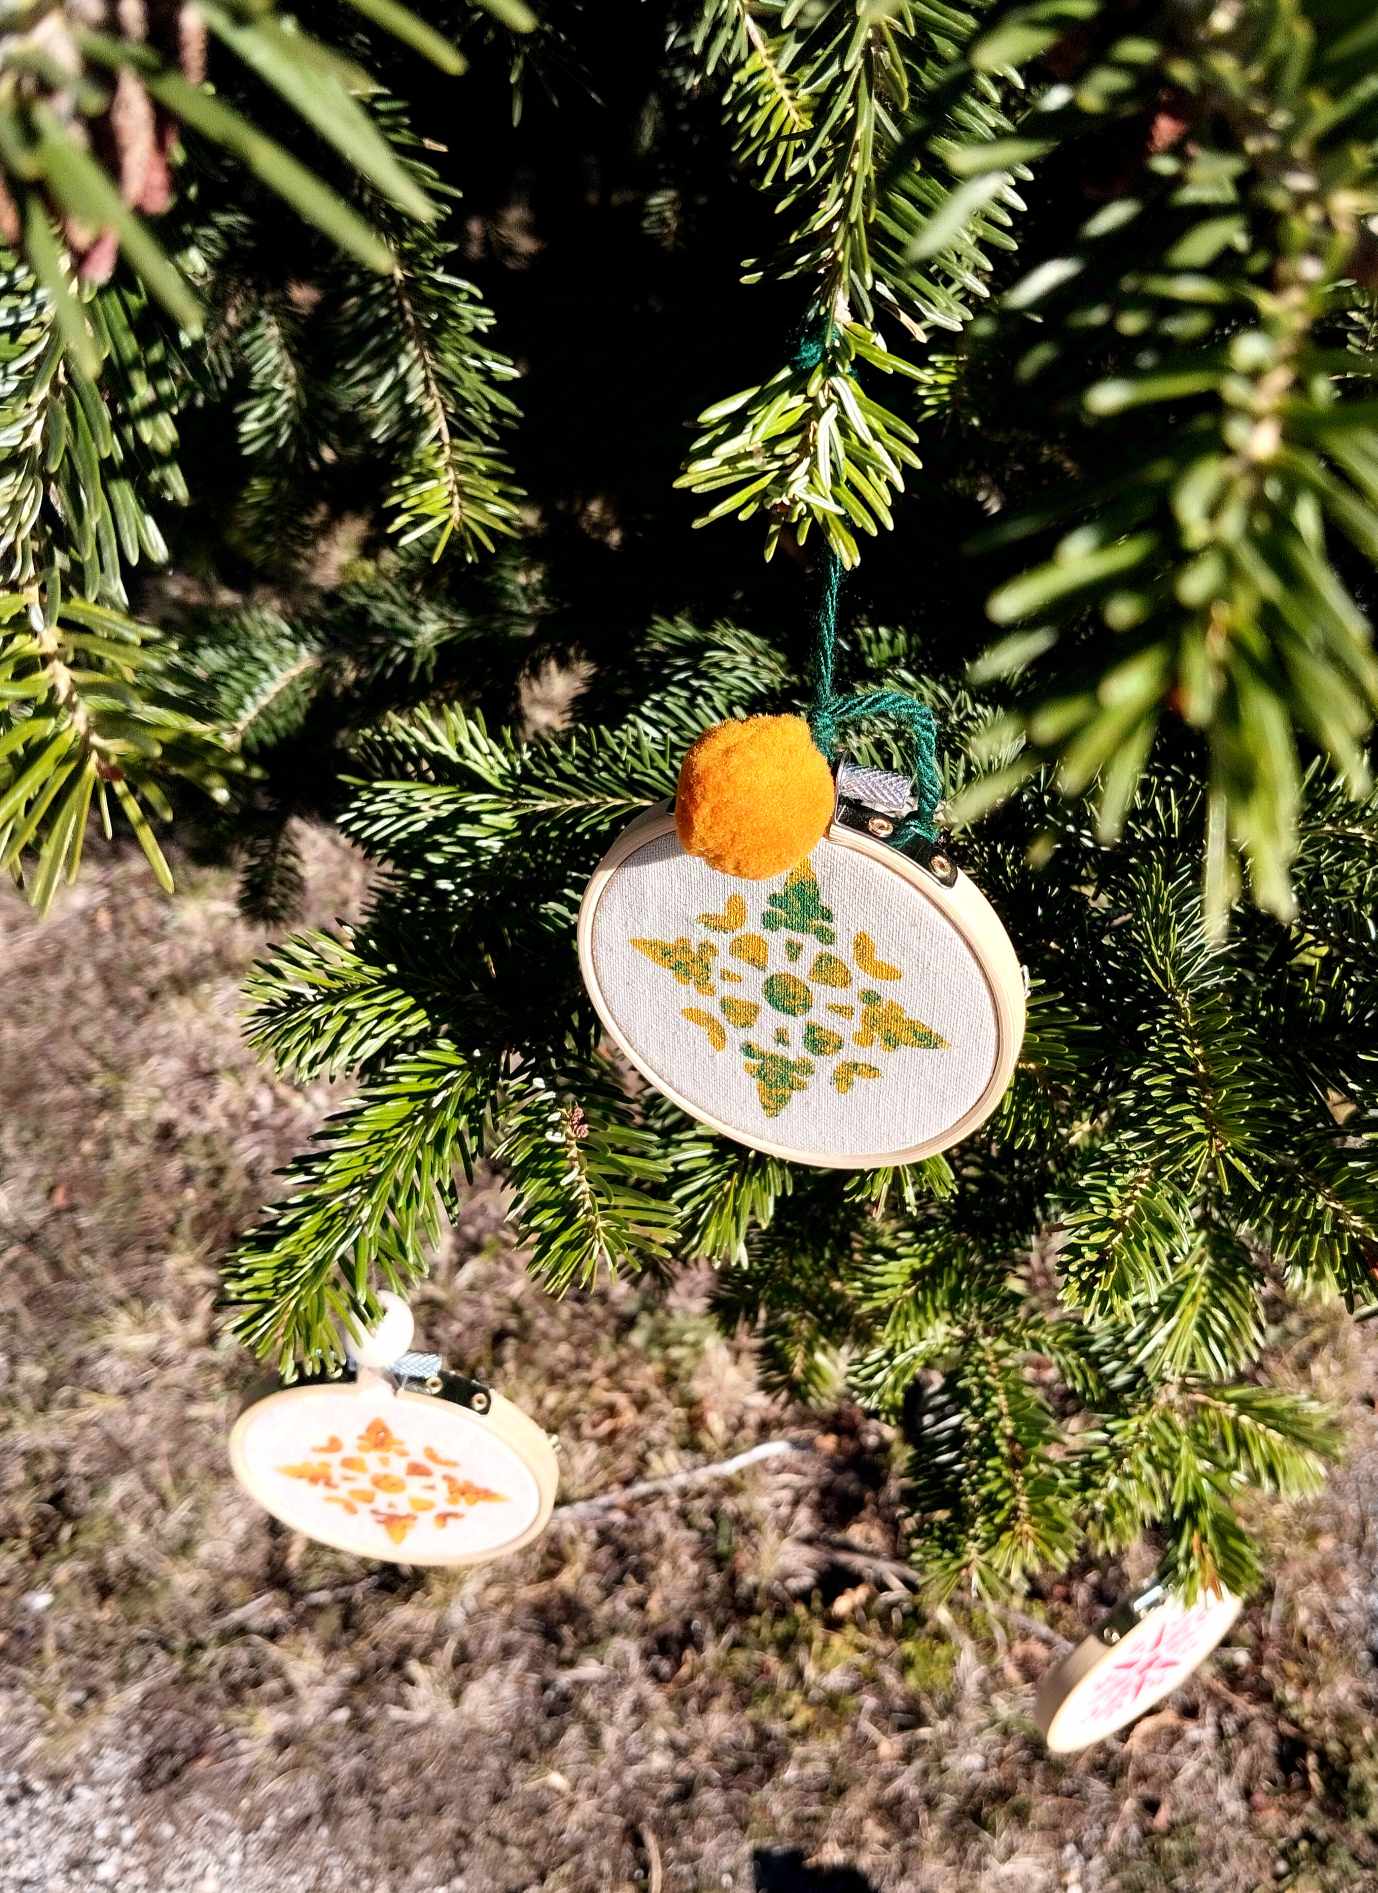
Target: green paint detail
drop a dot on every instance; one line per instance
(798, 907)
(691, 965)
(788, 994)
(884, 1022)
(777, 1077)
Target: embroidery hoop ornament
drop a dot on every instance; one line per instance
(1141, 1653)
(950, 911)
(398, 1460)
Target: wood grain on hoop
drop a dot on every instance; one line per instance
(962, 905)
(503, 1423)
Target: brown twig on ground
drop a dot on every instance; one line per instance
(1253, 1711)
(866, 1563)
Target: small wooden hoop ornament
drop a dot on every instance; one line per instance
(445, 1472)
(1140, 1654)
(971, 926)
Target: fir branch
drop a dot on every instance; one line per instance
(1317, 1210)
(481, 787)
(723, 1191)
(318, 1008)
(427, 386)
(89, 440)
(995, 1503)
(453, 486)
(272, 880)
(1279, 1440)
(90, 709)
(1206, 1319)
(586, 1183)
(1018, 1491)
(1223, 453)
(1127, 1230)
(793, 1286)
(365, 1200)
(261, 672)
(282, 420)
(812, 446)
(86, 111)
(666, 690)
(1044, 1091)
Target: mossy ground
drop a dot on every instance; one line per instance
(724, 1687)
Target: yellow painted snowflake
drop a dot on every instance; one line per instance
(836, 1005)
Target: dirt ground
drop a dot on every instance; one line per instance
(724, 1685)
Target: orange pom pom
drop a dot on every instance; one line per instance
(754, 796)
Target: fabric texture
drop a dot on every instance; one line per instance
(388, 1478)
(833, 1011)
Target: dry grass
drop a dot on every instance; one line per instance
(691, 1692)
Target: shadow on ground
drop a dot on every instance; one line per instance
(785, 1870)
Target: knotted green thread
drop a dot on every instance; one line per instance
(830, 714)
(812, 343)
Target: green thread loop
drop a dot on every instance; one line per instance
(830, 713)
(811, 346)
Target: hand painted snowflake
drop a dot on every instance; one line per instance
(397, 1486)
(837, 1006)
(1147, 1667)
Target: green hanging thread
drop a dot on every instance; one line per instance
(830, 713)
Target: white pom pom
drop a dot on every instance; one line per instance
(391, 1336)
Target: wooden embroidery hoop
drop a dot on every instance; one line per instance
(499, 1419)
(961, 903)
(1055, 1707)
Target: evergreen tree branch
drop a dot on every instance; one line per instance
(587, 1184)
(76, 95)
(427, 386)
(320, 1008)
(89, 443)
(90, 709)
(366, 1200)
(812, 446)
(1225, 450)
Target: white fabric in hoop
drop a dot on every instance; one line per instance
(930, 978)
(384, 1475)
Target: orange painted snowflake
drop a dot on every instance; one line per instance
(396, 1485)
